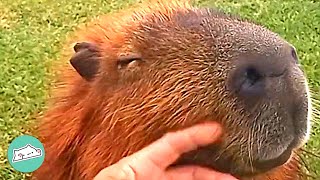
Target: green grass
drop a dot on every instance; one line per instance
(32, 33)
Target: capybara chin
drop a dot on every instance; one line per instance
(135, 75)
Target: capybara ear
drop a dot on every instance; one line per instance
(86, 59)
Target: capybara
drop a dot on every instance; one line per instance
(162, 66)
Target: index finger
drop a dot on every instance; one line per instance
(167, 149)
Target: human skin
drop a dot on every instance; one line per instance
(153, 161)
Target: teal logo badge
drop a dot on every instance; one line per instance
(26, 153)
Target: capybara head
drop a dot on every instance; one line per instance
(168, 66)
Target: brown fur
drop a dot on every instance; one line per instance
(90, 126)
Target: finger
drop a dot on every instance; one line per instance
(167, 149)
(154, 159)
(196, 173)
(116, 172)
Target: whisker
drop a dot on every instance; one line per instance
(315, 119)
(301, 159)
(315, 100)
(312, 90)
(226, 148)
(310, 153)
(316, 115)
(315, 109)
(303, 173)
(313, 93)
(315, 105)
(250, 148)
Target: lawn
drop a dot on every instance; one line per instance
(32, 33)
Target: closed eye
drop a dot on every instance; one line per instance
(125, 60)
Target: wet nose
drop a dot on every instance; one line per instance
(250, 80)
(251, 74)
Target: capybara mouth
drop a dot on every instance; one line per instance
(266, 165)
(256, 160)
(209, 157)
(261, 160)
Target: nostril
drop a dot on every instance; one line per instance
(248, 81)
(252, 76)
(252, 83)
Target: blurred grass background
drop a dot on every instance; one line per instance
(32, 33)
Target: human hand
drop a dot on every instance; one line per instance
(151, 162)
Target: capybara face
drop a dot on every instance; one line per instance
(153, 72)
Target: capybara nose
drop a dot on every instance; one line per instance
(251, 77)
(253, 74)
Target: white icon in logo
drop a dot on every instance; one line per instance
(25, 153)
